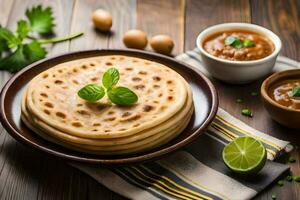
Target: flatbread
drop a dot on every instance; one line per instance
(161, 129)
(53, 110)
(52, 97)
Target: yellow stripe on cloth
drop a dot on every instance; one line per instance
(248, 133)
(163, 188)
(177, 185)
(226, 131)
(191, 182)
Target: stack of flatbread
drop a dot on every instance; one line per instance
(53, 110)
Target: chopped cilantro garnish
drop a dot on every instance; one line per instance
(254, 93)
(292, 159)
(280, 183)
(239, 100)
(247, 112)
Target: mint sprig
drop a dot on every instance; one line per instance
(21, 49)
(118, 95)
(110, 78)
(92, 92)
(122, 96)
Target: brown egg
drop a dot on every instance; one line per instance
(162, 44)
(136, 39)
(102, 20)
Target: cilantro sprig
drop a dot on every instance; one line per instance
(238, 43)
(295, 92)
(116, 94)
(19, 49)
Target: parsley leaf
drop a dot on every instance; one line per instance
(295, 92)
(230, 40)
(11, 40)
(3, 47)
(23, 29)
(237, 44)
(19, 53)
(41, 20)
(248, 43)
(24, 55)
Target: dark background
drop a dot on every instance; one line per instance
(28, 174)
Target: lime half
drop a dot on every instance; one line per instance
(245, 155)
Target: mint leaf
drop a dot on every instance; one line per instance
(91, 92)
(122, 96)
(11, 40)
(41, 20)
(248, 43)
(23, 56)
(230, 40)
(110, 78)
(295, 92)
(23, 29)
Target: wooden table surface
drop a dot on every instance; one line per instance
(28, 174)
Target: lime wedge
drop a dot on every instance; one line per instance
(245, 155)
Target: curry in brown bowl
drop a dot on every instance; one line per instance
(281, 97)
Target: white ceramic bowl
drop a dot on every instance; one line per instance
(238, 72)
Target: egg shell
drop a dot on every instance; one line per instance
(136, 39)
(102, 20)
(162, 44)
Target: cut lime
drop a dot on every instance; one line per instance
(245, 155)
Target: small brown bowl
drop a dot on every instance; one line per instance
(283, 115)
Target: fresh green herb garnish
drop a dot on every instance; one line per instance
(122, 96)
(41, 20)
(289, 178)
(22, 49)
(118, 95)
(274, 196)
(247, 112)
(239, 100)
(292, 159)
(248, 43)
(280, 183)
(295, 92)
(110, 78)
(230, 40)
(237, 43)
(296, 178)
(254, 93)
(91, 92)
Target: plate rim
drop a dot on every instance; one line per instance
(136, 159)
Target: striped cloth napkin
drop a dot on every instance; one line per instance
(197, 172)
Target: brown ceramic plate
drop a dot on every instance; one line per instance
(204, 95)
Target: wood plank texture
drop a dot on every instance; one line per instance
(283, 18)
(163, 17)
(28, 174)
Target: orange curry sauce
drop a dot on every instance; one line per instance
(280, 93)
(215, 45)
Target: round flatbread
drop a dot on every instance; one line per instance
(52, 97)
(174, 121)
